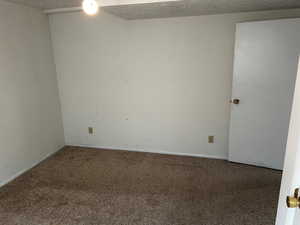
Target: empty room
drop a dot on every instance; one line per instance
(149, 112)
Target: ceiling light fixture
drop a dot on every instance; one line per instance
(90, 7)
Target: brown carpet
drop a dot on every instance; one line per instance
(99, 187)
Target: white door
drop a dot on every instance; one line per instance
(265, 68)
(291, 171)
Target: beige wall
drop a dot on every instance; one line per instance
(30, 121)
(160, 85)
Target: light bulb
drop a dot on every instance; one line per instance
(90, 7)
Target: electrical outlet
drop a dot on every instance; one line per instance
(91, 130)
(211, 139)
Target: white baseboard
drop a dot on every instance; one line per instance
(152, 151)
(2, 183)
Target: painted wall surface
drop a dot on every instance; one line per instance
(30, 121)
(160, 85)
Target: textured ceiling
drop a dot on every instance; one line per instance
(198, 7)
(49, 4)
(173, 9)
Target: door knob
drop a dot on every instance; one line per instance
(293, 201)
(235, 101)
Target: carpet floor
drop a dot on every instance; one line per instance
(80, 186)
